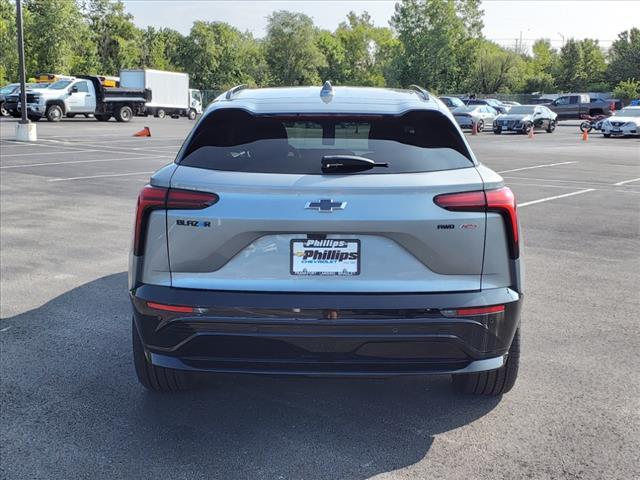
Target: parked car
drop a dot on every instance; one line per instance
(497, 105)
(85, 95)
(452, 102)
(511, 103)
(478, 115)
(623, 123)
(170, 92)
(522, 118)
(575, 105)
(326, 231)
(4, 92)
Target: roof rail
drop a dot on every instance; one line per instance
(420, 90)
(232, 91)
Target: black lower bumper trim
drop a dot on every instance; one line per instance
(335, 334)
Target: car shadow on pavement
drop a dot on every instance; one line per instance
(72, 408)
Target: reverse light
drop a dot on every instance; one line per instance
(154, 198)
(500, 201)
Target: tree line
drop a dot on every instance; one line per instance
(437, 44)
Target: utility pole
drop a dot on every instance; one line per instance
(25, 130)
(562, 38)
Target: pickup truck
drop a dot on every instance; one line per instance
(577, 105)
(85, 95)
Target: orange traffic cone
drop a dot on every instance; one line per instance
(585, 136)
(145, 132)
(531, 132)
(474, 128)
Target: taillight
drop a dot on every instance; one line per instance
(500, 201)
(153, 198)
(170, 308)
(189, 200)
(150, 198)
(503, 201)
(479, 310)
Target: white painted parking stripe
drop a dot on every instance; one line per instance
(557, 180)
(627, 181)
(44, 153)
(536, 166)
(99, 176)
(120, 159)
(555, 197)
(615, 190)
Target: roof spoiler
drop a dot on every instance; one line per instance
(421, 91)
(232, 91)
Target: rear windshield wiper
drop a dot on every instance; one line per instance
(348, 163)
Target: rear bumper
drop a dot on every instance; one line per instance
(325, 334)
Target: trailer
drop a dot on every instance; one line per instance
(170, 92)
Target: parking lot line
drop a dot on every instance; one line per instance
(557, 180)
(44, 153)
(627, 181)
(614, 190)
(536, 166)
(119, 159)
(555, 197)
(99, 176)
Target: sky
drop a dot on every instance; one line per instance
(505, 20)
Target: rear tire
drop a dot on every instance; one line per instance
(160, 113)
(158, 379)
(551, 127)
(124, 114)
(480, 126)
(493, 382)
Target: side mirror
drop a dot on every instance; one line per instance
(73, 89)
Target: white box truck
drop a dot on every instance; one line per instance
(170, 92)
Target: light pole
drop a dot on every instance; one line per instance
(25, 130)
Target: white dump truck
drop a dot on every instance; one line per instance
(170, 92)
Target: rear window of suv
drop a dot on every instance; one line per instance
(235, 140)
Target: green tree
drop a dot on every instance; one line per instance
(218, 56)
(57, 39)
(367, 50)
(570, 74)
(439, 40)
(8, 43)
(545, 57)
(496, 69)
(335, 67)
(627, 90)
(624, 57)
(291, 49)
(594, 65)
(118, 41)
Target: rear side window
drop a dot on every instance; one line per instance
(235, 140)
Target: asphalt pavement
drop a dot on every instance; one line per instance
(71, 407)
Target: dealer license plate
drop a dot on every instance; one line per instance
(325, 257)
